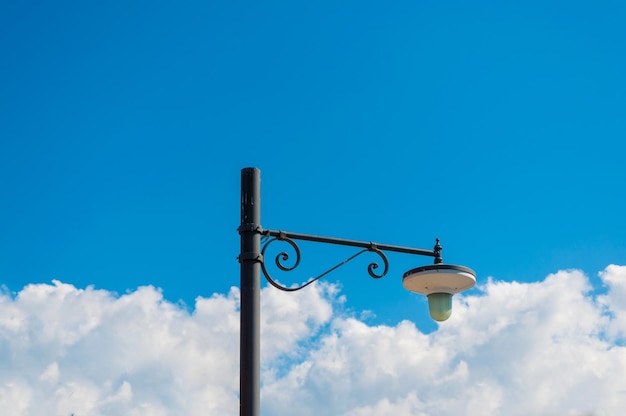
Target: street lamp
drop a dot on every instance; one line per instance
(437, 281)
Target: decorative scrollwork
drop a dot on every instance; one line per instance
(284, 256)
(373, 266)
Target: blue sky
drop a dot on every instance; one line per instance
(495, 128)
(498, 128)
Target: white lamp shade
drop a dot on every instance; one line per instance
(439, 278)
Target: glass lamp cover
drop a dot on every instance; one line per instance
(440, 306)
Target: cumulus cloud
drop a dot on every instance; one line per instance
(545, 348)
(88, 352)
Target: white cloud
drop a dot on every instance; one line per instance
(90, 352)
(543, 348)
(614, 277)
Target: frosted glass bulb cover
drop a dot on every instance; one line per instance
(440, 306)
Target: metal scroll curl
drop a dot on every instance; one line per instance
(284, 256)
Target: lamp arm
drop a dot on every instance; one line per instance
(288, 237)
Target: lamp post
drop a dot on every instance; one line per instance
(437, 281)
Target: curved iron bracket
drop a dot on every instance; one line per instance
(288, 238)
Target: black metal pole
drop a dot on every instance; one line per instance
(250, 258)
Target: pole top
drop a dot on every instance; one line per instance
(250, 170)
